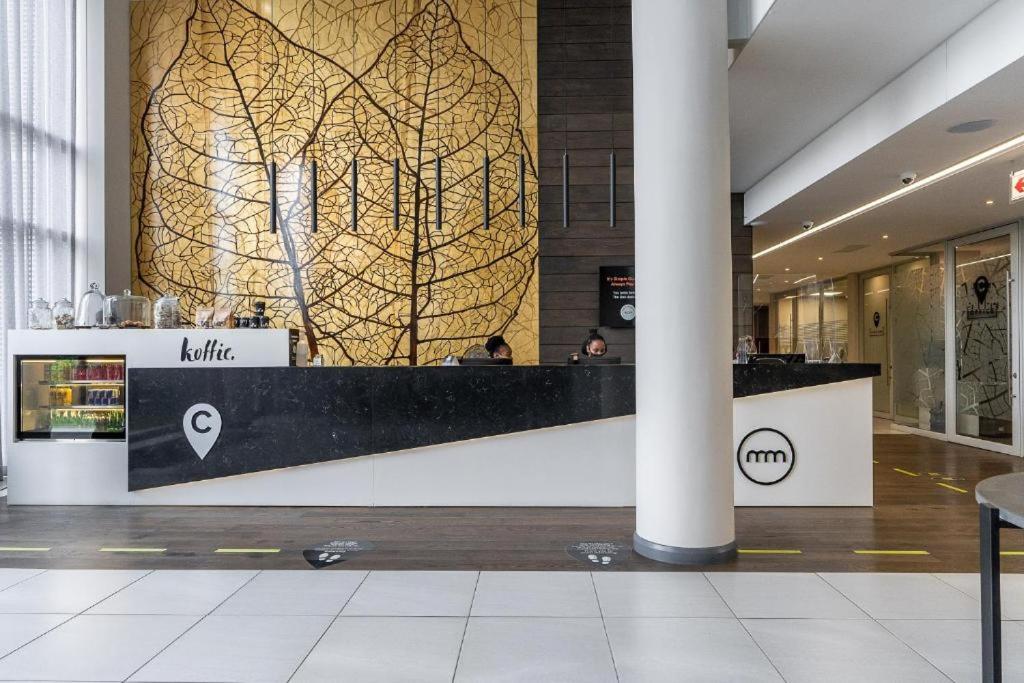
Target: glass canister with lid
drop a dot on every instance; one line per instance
(167, 313)
(90, 308)
(40, 315)
(127, 311)
(64, 315)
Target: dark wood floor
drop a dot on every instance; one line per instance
(913, 512)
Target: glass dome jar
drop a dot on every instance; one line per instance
(90, 308)
(40, 316)
(64, 315)
(127, 311)
(167, 313)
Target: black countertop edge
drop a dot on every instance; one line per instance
(765, 378)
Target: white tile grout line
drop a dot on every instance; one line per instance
(76, 614)
(742, 625)
(197, 622)
(329, 624)
(604, 625)
(912, 649)
(465, 627)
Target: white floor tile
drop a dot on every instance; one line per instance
(10, 576)
(413, 594)
(816, 650)
(658, 594)
(671, 650)
(65, 591)
(535, 594)
(385, 650)
(535, 650)
(288, 592)
(247, 649)
(173, 591)
(1011, 595)
(94, 648)
(954, 647)
(18, 629)
(782, 595)
(904, 596)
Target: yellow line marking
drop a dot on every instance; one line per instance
(875, 461)
(1012, 553)
(247, 550)
(133, 550)
(951, 488)
(19, 549)
(890, 552)
(759, 551)
(909, 474)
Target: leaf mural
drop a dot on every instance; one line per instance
(239, 93)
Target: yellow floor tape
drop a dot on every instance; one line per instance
(133, 550)
(890, 552)
(909, 474)
(18, 549)
(247, 550)
(950, 487)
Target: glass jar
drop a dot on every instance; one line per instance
(167, 313)
(40, 316)
(64, 315)
(90, 308)
(127, 311)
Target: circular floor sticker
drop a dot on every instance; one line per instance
(335, 552)
(599, 553)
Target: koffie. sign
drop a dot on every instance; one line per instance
(618, 296)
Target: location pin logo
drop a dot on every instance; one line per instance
(981, 286)
(202, 427)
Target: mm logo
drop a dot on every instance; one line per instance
(766, 456)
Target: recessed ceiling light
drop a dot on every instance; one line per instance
(885, 237)
(787, 270)
(785, 282)
(756, 224)
(990, 202)
(959, 167)
(971, 126)
(821, 258)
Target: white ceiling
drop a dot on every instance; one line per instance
(951, 207)
(811, 61)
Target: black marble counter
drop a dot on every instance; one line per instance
(271, 418)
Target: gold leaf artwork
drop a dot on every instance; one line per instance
(223, 88)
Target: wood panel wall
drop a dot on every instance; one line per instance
(585, 101)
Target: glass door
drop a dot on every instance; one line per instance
(876, 339)
(70, 397)
(984, 386)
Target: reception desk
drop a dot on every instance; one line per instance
(519, 435)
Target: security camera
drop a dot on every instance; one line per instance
(808, 225)
(907, 178)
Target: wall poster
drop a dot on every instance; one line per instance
(223, 88)
(618, 296)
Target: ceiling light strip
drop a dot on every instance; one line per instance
(803, 279)
(958, 167)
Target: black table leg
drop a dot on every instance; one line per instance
(991, 626)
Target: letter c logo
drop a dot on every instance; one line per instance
(195, 421)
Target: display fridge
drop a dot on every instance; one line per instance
(70, 397)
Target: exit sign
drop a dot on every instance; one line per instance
(1017, 185)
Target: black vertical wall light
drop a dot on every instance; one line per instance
(487, 192)
(273, 197)
(522, 190)
(396, 221)
(355, 194)
(565, 188)
(438, 213)
(313, 209)
(611, 189)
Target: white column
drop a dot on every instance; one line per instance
(684, 459)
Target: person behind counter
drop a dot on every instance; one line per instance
(498, 347)
(594, 346)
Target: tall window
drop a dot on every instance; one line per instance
(37, 157)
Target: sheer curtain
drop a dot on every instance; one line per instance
(37, 158)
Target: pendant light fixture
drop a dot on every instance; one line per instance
(438, 199)
(273, 197)
(313, 196)
(521, 175)
(487, 158)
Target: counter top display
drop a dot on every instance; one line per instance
(764, 378)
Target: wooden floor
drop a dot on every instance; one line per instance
(924, 503)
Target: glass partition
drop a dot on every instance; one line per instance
(918, 324)
(984, 401)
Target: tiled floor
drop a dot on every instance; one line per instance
(337, 624)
